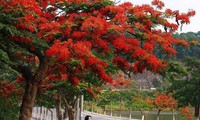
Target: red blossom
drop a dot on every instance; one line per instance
(19, 79)
(139, 67)
(74, 81)
(120, 62)
(154, 63)
(149, 47)
(158, 3)
(58, 49)
(168, 11)
(140, 53)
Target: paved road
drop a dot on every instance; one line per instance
(95, 116)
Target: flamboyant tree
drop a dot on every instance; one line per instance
(161, 102)
(67, 40)
(186, 113)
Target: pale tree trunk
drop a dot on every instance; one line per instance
(142, 113)
(41, 113)
(111, 108)
(158, 115)
(104, 109)
(32, 83)
(71, 108)
(38, 113)
(58, 107)
(196, 114)
(51, 113)
(46, 115)
(120, 109)
(92, 107)
(65, 114)
(173, 116)
(130, 117)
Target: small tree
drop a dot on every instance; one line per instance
(163, 101)
(140, 104)
(186, 113)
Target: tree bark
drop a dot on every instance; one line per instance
(65, 114)
(58, 107)
(111, 108)
(71, 114)
(71, 111)
(130, 117)
(32, 83)
(51, 113)
(173, 116)
(196, 113)
(104, 109)
(158, 115)
(142, 114)
(28, 101)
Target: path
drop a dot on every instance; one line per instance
(95, 116)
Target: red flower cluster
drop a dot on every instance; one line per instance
(6, 89)
(139, 67)
(122, 63)
(25, 40)
(158, 3)
(59, 50)
(140, 54)
(154, 63)
(186, 113)
(163, 101)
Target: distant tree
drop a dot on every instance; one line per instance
(139, 103)
(157, 84)
(186, 113)
(163, 101)
(191, 51)
(186, 89)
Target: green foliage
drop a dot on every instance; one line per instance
(140, 105)
(186, 90)
(157, 84)
(9, 108)
(126, 97)
(115, 97)
(192, 50)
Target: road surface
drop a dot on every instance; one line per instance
(95, 116)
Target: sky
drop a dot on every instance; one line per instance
(182, 6)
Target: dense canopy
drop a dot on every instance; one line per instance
(48, 41)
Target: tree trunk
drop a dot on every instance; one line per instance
(130, 117)
(41, 113)
(28, 101)
(142, 114)
(173, 116)
(158, 115)
(104, 109)
(111, 108)
(196, 113)
(58, 107)
(51, 113)
(71, 114)
(65, 114)
(32, 83)
(71, 111)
